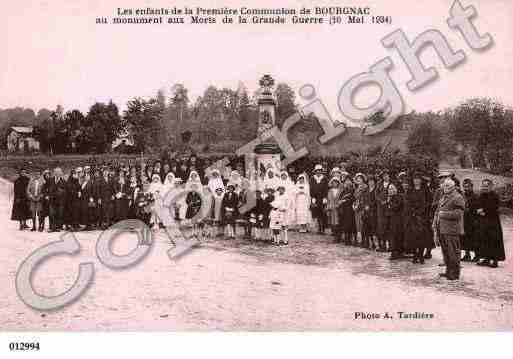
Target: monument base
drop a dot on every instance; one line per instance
(267, 156)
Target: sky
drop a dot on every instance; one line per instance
(55, 53)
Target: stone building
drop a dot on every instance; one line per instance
(20, 139)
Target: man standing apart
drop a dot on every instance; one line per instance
(448, 224)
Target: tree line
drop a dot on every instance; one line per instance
(478, 130)
(218, 115)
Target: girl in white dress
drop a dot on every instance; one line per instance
(216, 211)
(236, 180)
(303, 202)
(290, 192)
(156, 190)
(278, 217)
(215, 180)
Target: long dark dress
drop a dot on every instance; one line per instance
(345, 212)
(105, 192)
(430, 213)
(416, 226)
(393, 222)
(318, 192)
(229, 208)
(264, 210)
(193, 201)
(57, 202)
(371, 214)
(470, 222)
(73, 202)
(87, 207)
(381, 198)
(121, 204)
(21, 207)
(491, 244)
(47, 186)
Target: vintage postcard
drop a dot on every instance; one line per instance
(256, 166)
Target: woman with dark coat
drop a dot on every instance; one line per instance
(230, 210)
(491, 247)
(371, 215)
(470, 238)
(88, 202)
(21, 207)
(346, 213)
(72, 207)
(416, 227)
(361, 195)
(121, 197)
(393, 222)
(193, 201)
(381, 200)
(430, 211)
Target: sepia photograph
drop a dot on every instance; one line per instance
(255, 166)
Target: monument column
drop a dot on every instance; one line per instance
(267, 153)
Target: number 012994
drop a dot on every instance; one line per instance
(14, 346)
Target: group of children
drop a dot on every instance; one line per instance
(380, 211)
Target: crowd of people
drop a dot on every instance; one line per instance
(406, 213)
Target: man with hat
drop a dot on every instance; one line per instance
(448, 225)
(47, 175)
(35, 195)
(442, 176)
(73, 200)
(105, 196)
(96, 180)
(319, 196)
(57, 192)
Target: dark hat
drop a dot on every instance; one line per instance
(417, 175)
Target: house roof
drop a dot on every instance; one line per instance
(23, 129)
